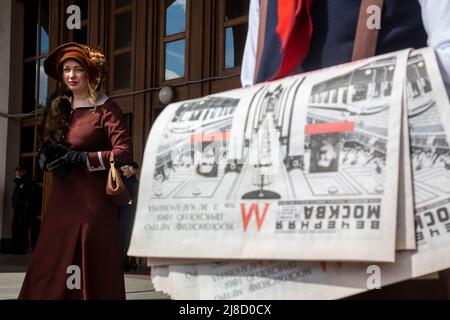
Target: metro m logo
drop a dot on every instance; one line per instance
(247, 215)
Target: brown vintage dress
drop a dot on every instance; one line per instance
(80, 225)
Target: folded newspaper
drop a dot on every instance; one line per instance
(334, 165)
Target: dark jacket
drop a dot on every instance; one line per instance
(22, 194)
(132, 185)
(128, 211)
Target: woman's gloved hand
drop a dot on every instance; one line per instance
(49, 152)
(70, 160)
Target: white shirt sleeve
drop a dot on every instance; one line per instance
(436, 20)
(251, 44)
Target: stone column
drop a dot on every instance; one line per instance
(11, 82)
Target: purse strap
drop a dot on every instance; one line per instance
(365, 39)
(112, 163)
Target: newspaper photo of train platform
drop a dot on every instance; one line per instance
(188, 159)
(288, 166)
(344, 152)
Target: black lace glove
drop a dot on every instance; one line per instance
(49, 152)
(67, 162)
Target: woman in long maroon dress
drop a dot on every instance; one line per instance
(78, 254)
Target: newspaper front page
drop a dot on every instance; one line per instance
(305, 168)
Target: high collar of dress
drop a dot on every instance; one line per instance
(101, 99)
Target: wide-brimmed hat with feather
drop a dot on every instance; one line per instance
(93, 60)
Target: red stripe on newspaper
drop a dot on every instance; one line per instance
(329, 127)
(209, 137)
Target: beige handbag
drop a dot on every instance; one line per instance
(115, 188)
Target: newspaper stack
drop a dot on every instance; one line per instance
(302, 188)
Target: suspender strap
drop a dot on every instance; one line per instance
(365, 39)
(263, 4)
